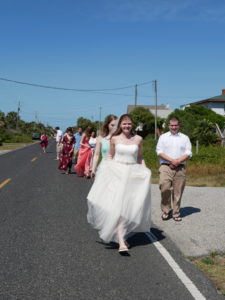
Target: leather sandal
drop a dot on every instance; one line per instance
(177, 219)
(165, 216)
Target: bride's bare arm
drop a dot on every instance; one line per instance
(112, 149)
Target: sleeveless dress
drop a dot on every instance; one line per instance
(44, 141)
(82, 168)
(120, 194)
(105, 147)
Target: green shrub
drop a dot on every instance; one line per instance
(18, 138)
(208, 260)
(198, 123)
(141, 115)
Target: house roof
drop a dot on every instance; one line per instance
(150, 107)
(220, 98)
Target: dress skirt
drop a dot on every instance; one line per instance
(82, 168)
(120, 197)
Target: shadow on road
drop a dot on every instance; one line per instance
(158, 233)
(136, 239)
(188, 210)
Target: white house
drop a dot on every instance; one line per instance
(162, 110)
(217, 103)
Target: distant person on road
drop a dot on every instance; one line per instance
(119, 201)
(67, 151)
(44, 142)
(58, 138)
(78, 136)
(103, 141)
(83, 167)
(173, 149)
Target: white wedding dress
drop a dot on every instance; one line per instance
(120, 199)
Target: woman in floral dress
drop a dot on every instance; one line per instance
(65, 163)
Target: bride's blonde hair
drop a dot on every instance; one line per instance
(119, 129)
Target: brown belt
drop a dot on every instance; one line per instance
(169, 165)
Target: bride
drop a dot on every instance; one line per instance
(119, 201)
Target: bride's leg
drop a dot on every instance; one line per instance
(121, 231)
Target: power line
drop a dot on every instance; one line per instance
(99, 91)
(71, 89)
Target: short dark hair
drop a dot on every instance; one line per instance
(57, 128)
(174, 119)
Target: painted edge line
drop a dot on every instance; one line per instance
(190, 286)
(5, 182)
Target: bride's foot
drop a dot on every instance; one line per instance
(123, 248)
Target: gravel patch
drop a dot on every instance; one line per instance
(202, 229)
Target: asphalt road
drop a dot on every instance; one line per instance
(49, 251)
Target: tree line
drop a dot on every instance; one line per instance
(198, 122)
(13, 129)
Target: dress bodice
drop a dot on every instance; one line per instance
(92, 142)
(68, 141)
(84, 141)
(126, 153)
(105, 147)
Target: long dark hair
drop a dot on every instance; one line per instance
(69, 129)
(88, 131)
(119, 130)
(108, 119)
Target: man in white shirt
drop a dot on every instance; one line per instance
(173, 149)
(58, 138)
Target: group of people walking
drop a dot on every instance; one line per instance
(79, 147)
(119, 201)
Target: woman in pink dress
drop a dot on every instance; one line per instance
(44, 142)
(83, 166)
(67, 151)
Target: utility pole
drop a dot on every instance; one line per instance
(135, 96)
(155, 90)
(36, 117)
(100, 117)
(17, 117)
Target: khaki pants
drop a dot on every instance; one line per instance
(59, 147)
(171, 183)
(75, 155)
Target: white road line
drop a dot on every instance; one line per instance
(179, 272)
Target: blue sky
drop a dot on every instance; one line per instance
(100, 44)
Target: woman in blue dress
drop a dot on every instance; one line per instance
(103, 141)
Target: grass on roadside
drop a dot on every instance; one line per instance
(213, 266)
(13, 146)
